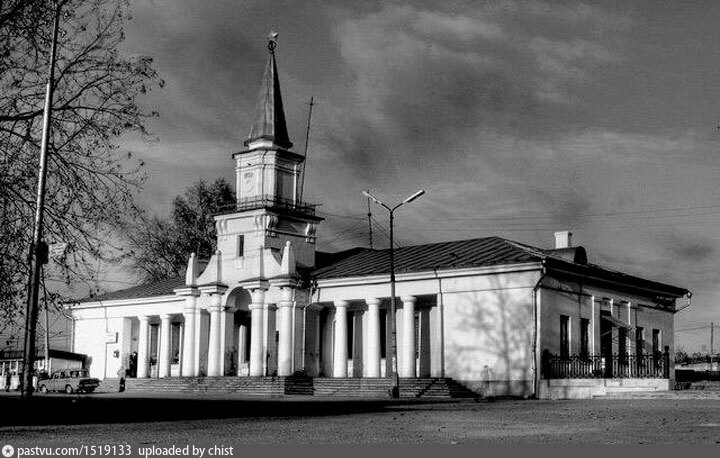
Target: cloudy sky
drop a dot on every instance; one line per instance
(517, 118)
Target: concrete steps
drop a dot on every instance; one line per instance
(300, 386)
(249, 386)
(434, 388)
(108, 385)
(706, 386)
(352, 387)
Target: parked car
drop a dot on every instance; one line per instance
(69, 381)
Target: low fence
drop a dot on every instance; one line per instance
(655, 365)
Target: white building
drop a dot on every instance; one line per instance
(498, 316)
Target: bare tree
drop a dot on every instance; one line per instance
(91, 183)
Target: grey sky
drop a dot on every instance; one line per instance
(517, 118)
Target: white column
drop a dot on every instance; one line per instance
(630, 345)
(408, 338)
(199, 341)
(189, 343)
(241, 345)
(340, 354)
(214, 347)
(592, 324)
(256, 333)
(142, 360)
(372, 367)
(165, 341)
(285, 337)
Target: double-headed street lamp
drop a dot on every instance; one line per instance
(391, 363)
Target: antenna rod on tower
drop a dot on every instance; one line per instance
(307, 139)
(369, 215)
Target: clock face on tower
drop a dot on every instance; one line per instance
(248, 184)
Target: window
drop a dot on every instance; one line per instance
(175, 343)
(656, 342)
(584, 337)
(154, 339)
(564, 336)
(639, 342)
(240, 246)
(622, 345)
(656, 347)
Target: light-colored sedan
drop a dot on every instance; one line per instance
(69, 381)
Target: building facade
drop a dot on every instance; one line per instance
(498, 316)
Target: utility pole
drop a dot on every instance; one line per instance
(47, 332)
(712, 329)
(38, 249)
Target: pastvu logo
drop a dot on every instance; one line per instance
(8, 450)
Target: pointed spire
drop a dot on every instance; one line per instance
(269, 119)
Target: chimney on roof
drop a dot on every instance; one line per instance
(563, 239)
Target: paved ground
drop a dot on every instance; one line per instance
(173, 419)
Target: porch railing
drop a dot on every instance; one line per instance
(653, 365)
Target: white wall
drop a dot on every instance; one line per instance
(90, 339)
(94, 322)
(489, 332)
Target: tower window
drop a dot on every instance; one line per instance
(240, 246)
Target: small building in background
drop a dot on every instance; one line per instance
(11, 364)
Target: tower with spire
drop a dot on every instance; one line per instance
(269, 217)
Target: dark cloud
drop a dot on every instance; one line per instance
(692, 250)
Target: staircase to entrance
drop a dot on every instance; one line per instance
(441, 388)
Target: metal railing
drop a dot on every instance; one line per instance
(269, 201)
(651, 365)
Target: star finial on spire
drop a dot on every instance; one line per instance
(272, 41)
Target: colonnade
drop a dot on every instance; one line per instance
(265, 319)
(406, 342)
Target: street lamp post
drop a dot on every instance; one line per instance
(391, 366)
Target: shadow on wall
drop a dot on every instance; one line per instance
(489, 339)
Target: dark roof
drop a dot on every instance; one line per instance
(489, 251)
(159, 288)
(40, 353)
(445, 255)
(603, 276)
(269, 118)
(323, 259)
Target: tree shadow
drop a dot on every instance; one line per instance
(497, 349)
